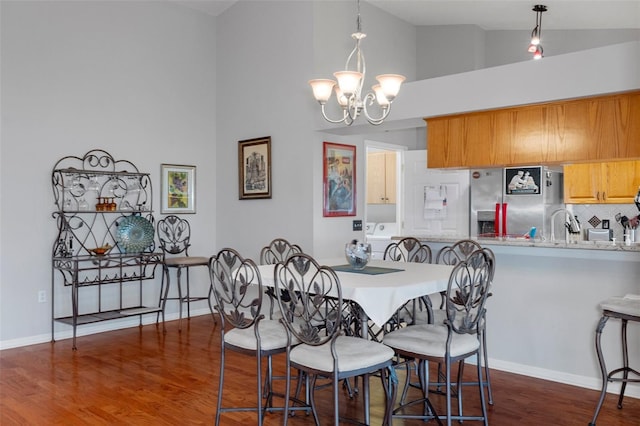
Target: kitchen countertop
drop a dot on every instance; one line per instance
(522, 242)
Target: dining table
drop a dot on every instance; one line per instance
(382, 287)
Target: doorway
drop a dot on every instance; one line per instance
(383, 189)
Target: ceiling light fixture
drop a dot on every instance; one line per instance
(535, 47)
(349, 88)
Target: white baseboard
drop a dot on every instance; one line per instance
(632, 390)
(63, 331)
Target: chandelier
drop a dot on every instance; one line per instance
(535, 47)
(349, 92)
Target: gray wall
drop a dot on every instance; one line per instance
(136, 79)
(452, 49)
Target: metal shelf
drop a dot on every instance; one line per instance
(93, 194)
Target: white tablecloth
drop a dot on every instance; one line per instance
(380, 296)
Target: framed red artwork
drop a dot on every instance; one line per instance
(339, 177)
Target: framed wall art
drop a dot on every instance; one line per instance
(178, 189)
(339, 173)
(254, 168)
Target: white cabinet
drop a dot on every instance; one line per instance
(381, 177)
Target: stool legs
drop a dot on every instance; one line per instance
(603, 368)
(625, 369)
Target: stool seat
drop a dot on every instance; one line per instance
(186, 261)
(627, 305)
(625, 309)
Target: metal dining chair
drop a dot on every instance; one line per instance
(174, 234)
(313, 314)
(243, 327)
(451, 342)
(408, 249)
(276, 251)
(451, 255)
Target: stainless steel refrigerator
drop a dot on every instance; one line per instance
(510, 202)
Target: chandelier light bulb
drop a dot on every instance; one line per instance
(343, 101)
(381, 98)
(349, 81)
(322, 89)
(390, 84)
(538, 53)
(532, 48)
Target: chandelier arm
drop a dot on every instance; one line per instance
(375, 121)
(342, 120)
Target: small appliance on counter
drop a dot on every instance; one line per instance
(599, 234)
(509, 202)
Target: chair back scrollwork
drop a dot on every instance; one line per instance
(231, 275)
(174, 235)
(408, 250)
(313, 315)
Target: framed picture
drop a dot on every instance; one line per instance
(254, 168)
(339, 172)
(522, 180)
(178, 186)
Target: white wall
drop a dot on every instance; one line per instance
(263, 60)
(133, 78)
(449, 49)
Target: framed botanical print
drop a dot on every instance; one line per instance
(339, 175)
(178, 189)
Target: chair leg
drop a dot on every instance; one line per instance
(220, 385)
(448, 390)
(164, 294)
(625, 362)
(485, 361)
(481, 390)
(188, 295)
(603, 367)
(311, 387)
(367, 399)
(259, 386)
(213, 315)
(459, 383)
(179, 273)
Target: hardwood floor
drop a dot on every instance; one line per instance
(141, 376)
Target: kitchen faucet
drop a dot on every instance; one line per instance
(571, 224)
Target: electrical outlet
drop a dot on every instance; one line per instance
(42, 296)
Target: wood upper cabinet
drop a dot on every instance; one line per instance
(614, 182)
(381, 178)
(590, 129)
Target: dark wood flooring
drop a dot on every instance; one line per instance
(141, 376)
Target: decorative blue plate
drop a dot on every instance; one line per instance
(134, 234)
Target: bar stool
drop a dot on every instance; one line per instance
(626, 309)
(174, 235)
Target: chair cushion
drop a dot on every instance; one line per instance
(186, 261)
(273, 335)
(353, 353)
(628, 305)
(430, 340)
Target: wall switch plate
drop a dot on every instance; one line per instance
(357, 225)
(42, 296)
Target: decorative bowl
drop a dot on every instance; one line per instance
(134, 234)
(357, 254)
(99, 251)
